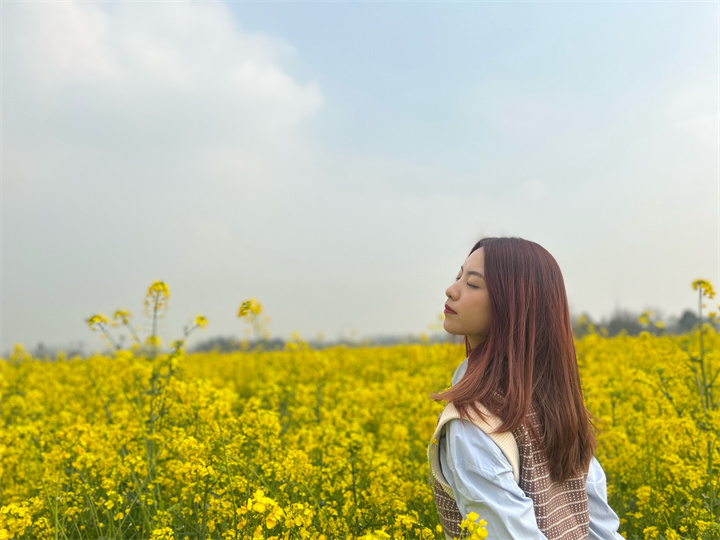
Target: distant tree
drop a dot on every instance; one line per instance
(623, 320)
(687, 321)
(582, 325)
(228, 344)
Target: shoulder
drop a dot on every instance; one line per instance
(470, 446)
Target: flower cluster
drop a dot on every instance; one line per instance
(249, 307)
(157, 296)
(474, 527)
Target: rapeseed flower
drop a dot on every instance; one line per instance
(248, 307)
(474, 527)
(96, 321)
(157, 297)
(705, 288)
(123, 315)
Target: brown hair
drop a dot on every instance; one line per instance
(528, 356)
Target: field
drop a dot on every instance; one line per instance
(330, 443)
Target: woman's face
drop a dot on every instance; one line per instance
(468, 301)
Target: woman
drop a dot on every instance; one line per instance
(515, 444)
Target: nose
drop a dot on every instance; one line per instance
(450, 292)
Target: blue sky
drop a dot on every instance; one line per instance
(396, 76)
(338, 160)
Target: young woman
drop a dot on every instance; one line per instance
(515, 444)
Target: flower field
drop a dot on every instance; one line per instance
(330, 443)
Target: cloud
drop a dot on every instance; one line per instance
(148, 81)
(127, 128)
(692, 111)
(704, 128)
(155, 107)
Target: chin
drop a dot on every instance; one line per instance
(449, 330)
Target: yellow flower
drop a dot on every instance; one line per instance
(96, 320)
(643, 494)
(164, 533)
(250, 306)
(122, 314)
(475, 529)
(159, 288)
(157, 296)
(200, 321)
(153, 341)
(705, 287)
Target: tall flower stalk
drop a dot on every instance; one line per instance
(156, 300)
(705, 381)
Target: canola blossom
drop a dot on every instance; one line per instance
(249, 307)
(330, 443)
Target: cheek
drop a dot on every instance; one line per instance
(486, 316)
(481, 317)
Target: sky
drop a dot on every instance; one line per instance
(337, 161)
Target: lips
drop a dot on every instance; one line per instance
(448, 310)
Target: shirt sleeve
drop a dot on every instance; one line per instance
(482, 481)
(604, 523)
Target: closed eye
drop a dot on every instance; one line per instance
(473, 286)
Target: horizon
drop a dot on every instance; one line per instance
(427, 335)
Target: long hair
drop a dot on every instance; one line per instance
(528, 357)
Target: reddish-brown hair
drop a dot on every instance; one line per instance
(528, 355)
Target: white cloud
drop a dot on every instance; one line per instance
(126, 126)
(704, 128)
(175, 77)
(692, 110)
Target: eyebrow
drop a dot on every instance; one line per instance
(473, 273)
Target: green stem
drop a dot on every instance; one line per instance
(230, 477)
(714, 507)
(109, 336)
(700, 322)
(134, 333)
(154, 326)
